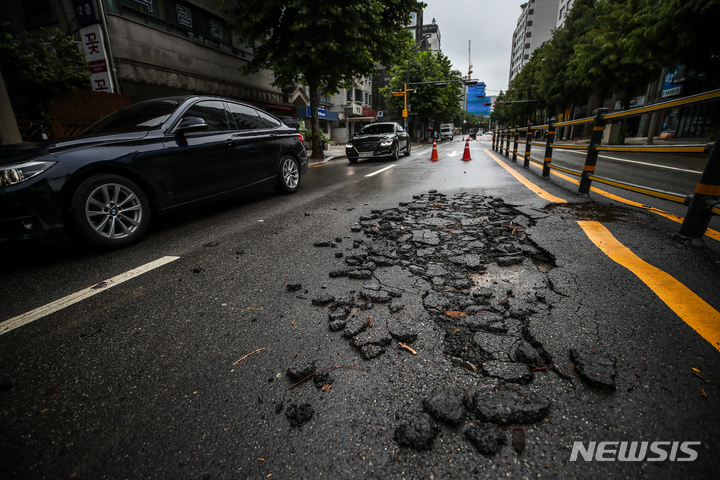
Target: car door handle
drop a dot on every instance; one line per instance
(232, 142)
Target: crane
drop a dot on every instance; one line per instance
(469, 60)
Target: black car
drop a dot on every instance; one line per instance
(378, 140)
(105, 184)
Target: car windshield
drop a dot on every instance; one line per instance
(135, 118)
(377, 128)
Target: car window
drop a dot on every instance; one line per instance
(270, 121)
(213, 112)
(377, 128)
(140, 117)
(246, 118)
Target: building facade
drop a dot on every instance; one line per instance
(156, 48)
(563, 9)
(534, 26)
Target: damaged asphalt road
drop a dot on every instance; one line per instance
(453, 333)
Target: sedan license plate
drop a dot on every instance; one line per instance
(365, 154)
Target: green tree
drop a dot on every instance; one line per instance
(33, 72)
(685, 32)
(617, 55)
(324, 44)
(430, 102)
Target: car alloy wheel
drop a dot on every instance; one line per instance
(110, 211)
(288, 175)
(396, 152)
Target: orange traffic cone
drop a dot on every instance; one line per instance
(434, 157)
(466, 154)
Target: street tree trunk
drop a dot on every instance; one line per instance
(317, 148)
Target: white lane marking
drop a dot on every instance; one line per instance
(381, 170)
(641, 163)
(71, 299)
(453, 154)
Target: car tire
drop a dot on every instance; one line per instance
(407, 150)
(110, 211)
(352, 159)
(395, 155)
(288, 180)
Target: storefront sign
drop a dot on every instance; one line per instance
(670, 88)
(84, 11)
(96, 56)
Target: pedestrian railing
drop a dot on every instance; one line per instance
(702, 204)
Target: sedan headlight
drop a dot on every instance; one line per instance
(349, 145)
(386, 143)
(20, 172)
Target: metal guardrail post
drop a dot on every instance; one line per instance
(706, 196)
(515, 144)
(494, 139)
(528, 139)
(592, 153)
(548, 149)
(507, 144)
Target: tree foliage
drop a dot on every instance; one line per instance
(442, 104)
(324, 44)
(36, 67)
(616, 46)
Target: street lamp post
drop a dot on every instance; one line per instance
(407, 80)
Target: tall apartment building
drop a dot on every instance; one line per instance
(534, 26)
(434, 31)
(563, 10)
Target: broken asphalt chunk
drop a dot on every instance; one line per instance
(298, 415)
(487, 438)
(300, 370)
(446, 406)
(323, 300)
(418, 433)
(509, 404)
(597, 369)
(293, 287)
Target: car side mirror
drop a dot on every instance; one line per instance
(191, 124)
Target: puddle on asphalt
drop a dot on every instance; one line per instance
(591, 211)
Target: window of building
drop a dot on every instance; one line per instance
(349, 95)
(531, 11)
(38, 12)
(527, 57)
(529, 23)
(562, 12)
(358, 95)
(527, 45)
(529, 34)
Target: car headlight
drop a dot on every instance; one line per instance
(20, 172)
(386, 143)
(349, 145)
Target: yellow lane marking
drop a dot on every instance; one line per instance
(31, 316)
(714, 234)
(692, 309)
(534, 188)
(328, 163)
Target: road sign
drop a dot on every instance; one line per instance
(398, 94)
(404, 113)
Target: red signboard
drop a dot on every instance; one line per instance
(368, 112)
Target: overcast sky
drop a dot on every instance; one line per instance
(488, 24)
